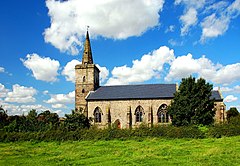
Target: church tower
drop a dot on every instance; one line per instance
(87, 78)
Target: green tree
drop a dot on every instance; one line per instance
(75, 121)
(192, 103)
(47, 120)
(3, 117)
(232, 112)
(31, 120)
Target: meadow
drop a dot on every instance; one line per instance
(145, 151)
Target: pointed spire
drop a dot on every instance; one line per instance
(87, 54)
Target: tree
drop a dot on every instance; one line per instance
(232, 112)
(47, 120)
(31, 120)
(76, 120)
(192, 103)
(3, 117)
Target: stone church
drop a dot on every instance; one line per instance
(125, 105)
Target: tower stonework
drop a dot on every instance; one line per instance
(86, 78)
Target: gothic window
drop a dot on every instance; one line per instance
(97, 115)
(162, 114)
(83, 91)
(84, 78)
(139, 114)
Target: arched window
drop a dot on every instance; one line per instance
(83, 91)
(84, 78)
(139, 114)
(162, 114)
(97, 115)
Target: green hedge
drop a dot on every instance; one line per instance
(103, 134)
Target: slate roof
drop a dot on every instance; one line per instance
(216, 95)
(146, 91)
(125, 92)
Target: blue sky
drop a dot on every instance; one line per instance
(133, 42)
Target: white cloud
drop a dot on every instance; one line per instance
(174, 42)
(230, 98)
(62, 98)
(103, 73)
(43, 68)
(149, 66)
(110, 19)
(3, 91)
(188, 19)
(21, 94)
(45, 92)
(69, 71)
(22, 109)
(227, 74)
(191, 3)
(2, 69)
(186, 65)
(213, 26)
(182, 66)
(226, 89)
(58, 106)
(171, 28)
(190, 16)
(218, 23)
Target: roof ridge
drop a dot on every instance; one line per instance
(135, 85)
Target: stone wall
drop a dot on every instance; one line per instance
(124, 111)
(87, 79)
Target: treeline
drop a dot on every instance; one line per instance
(44, 121)
(47, 126)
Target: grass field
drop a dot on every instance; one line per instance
(150, 151)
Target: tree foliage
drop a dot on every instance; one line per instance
(3, 117)
(192, 103)
(232, 112)
(76, 120)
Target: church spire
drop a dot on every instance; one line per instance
(87, 54)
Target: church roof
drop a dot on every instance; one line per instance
(124, 92)
(216, 95)
(145, 91)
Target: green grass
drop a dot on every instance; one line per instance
(149, 151)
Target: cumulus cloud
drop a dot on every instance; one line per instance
(2, 69)
(142, 70)
(104, 72)
(3, 91)
(230, 98)
(110, 19)
(203, 67)
(22, 109)
(43, 68)
(69, 71)
(58, 106)
(62, 98)
(21, 94)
